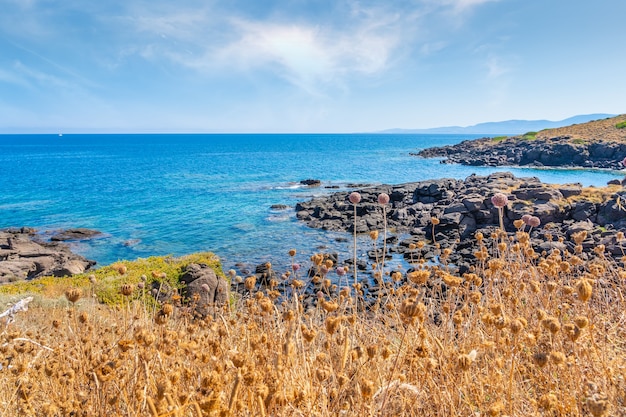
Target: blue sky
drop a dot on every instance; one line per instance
(305, 66)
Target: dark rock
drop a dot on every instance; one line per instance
(204, 289)
(264, 273)
(537, 193)
(569, 190)
(279, 207)
(311, 182)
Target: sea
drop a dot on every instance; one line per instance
(175, 194)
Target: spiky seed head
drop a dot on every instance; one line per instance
(584, 290)
(534, 221)
(167, 309)
(383, 198)
(126, 289)
(581, 321)
(73, 294)
(355, 197)
(499, 200)
(249, 283)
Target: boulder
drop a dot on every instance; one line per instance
(203, 288)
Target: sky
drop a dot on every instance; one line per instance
(305, 66)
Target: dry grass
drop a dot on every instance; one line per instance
(604, 129)
(523, 335)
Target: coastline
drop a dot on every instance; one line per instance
(463, 208)
(594, 145)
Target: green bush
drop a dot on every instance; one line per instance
(499, 138)
(621, 125)
(529, 136)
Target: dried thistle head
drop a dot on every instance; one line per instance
(73, 294)
(581, 321)
(126, 289)
(249, 283)
(584, 289)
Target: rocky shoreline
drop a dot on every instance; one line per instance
(25, 255)
(463, 208)
(555, 152)
(598, 144)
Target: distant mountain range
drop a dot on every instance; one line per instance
(507, 127)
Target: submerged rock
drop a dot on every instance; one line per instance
(75, 234)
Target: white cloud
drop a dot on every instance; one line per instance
(308, 56)
(465, 5)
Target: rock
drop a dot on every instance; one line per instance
(311, 182)
(537, 193)
(75, 234)
(613, 211)
(264, 273)
(570, 190)
(24, 257)
(204, 289)
(279, 207)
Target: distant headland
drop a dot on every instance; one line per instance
(595, 144)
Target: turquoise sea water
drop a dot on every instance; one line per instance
(177, 194)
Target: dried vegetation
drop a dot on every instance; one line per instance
(523, 334)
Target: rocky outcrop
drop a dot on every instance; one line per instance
(464, 207)
(23, 256)
(554, 152)
(596, 144)
(203, 288)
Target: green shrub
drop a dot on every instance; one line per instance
(499, 138)
(529, 136)
(621, 125)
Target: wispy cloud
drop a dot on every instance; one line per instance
(306, 53)
(466, 5)
(309, 56)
